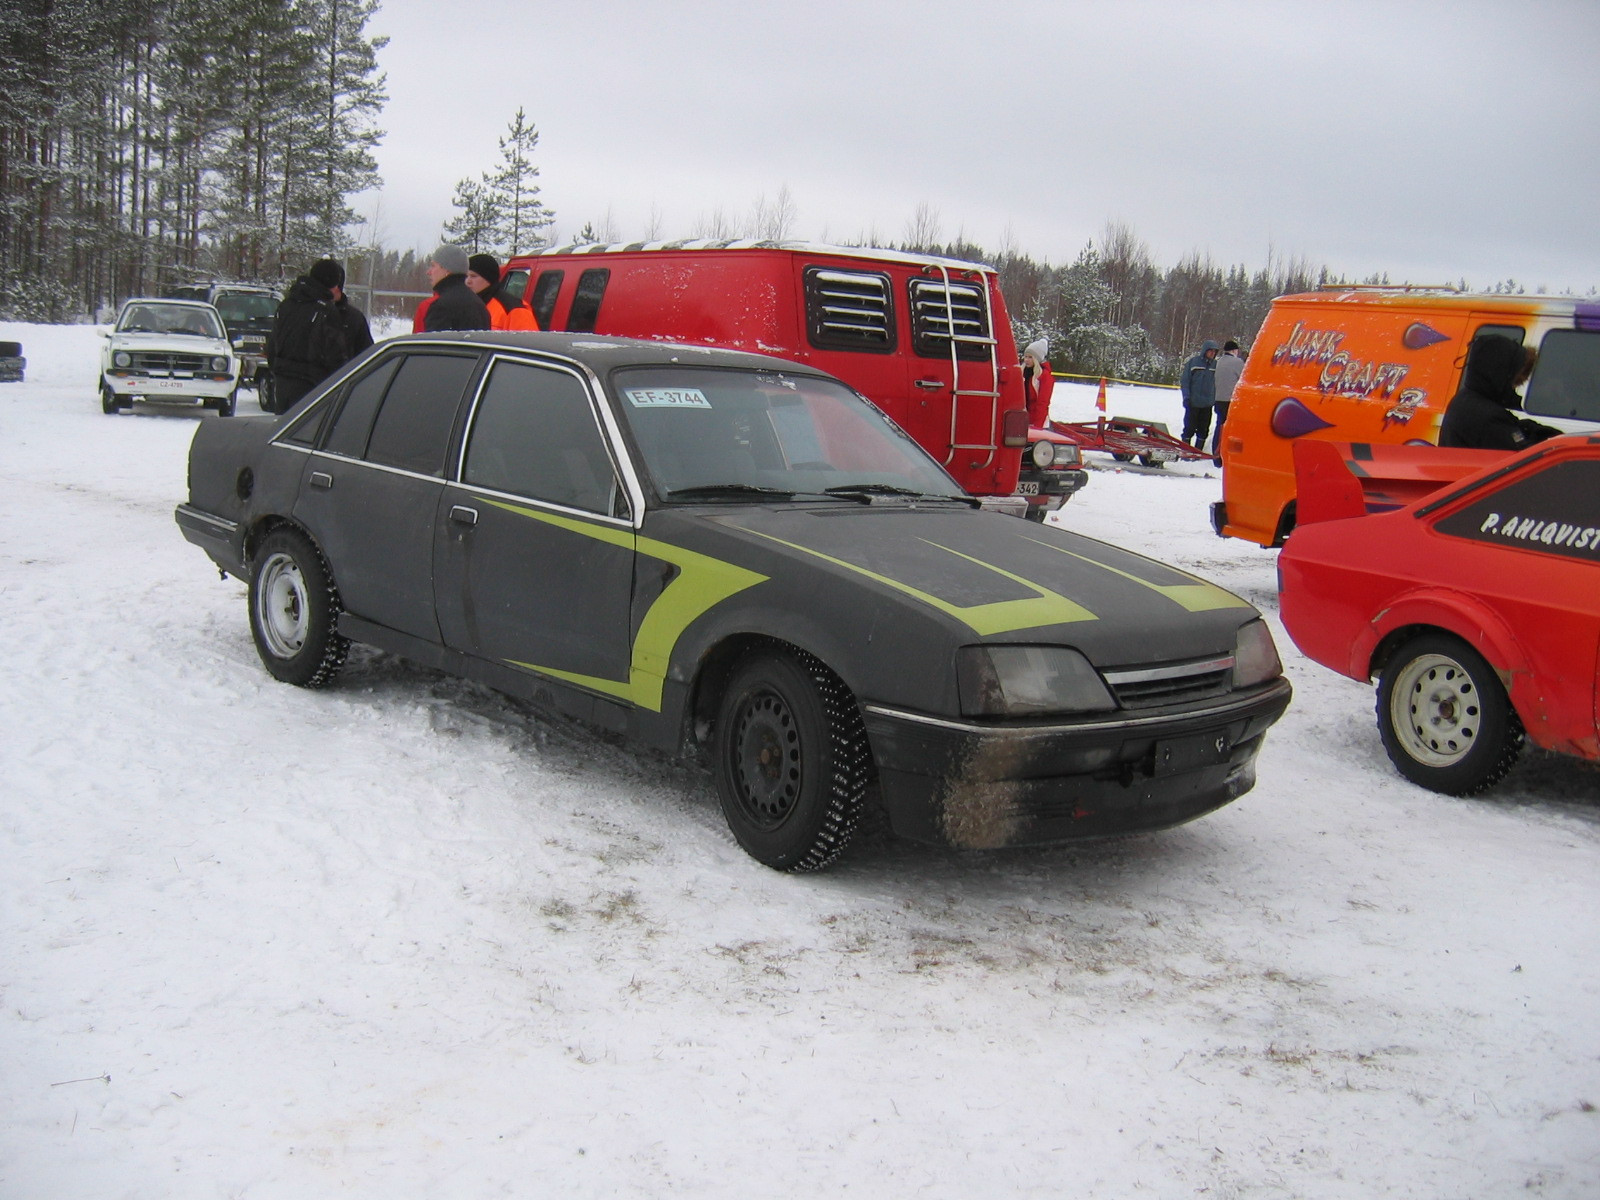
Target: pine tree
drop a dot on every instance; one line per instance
(477, 218)
(518, 213)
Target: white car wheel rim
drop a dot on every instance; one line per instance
(1435, 710)
(284, 612)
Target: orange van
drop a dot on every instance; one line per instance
(1379, 365)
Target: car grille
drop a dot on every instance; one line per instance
(1171, 683)
(160, 360)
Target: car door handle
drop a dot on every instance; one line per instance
(462, 515)
(932, 385)
(321, 479)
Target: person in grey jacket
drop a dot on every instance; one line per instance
(1198, 383)
(1229, 366)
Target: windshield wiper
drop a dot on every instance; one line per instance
(728, 489)
(889, 489)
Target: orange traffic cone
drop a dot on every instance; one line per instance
(1100, 400)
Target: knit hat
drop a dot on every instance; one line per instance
(486, 266)
(1039, 349)
(328, 273)
(1230, 344)
(452, 260)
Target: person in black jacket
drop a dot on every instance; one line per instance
(317, 330)
(1482, 414)
(453, 305)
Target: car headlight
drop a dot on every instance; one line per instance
(122, 358)
(1020, 681)
(219, 365)
(1044, 453)
(1255, 657)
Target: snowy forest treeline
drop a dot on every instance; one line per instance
(144, 140)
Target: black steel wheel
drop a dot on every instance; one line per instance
(792, 760)
(1037, 512)
(294, 609)
(1445, 719)
(108, 399)
(228, 404)
(266, 392)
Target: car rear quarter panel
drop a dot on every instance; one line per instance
(1353, 589)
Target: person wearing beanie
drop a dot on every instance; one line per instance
(316, 331)
(1230, 365)
(1037, 382)
(505, 311)
(1197, 383)
(453, 304)
(328, 272)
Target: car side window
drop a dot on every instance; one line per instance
(412, 431)
(353, 424)
(534, 434)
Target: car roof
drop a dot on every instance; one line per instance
(602, 353)
(205, 304)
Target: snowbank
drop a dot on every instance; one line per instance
(407, 938)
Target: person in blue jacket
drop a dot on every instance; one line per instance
(1198, 383)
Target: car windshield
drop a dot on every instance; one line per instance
(247, 306)
(706, 433)
(182, 319)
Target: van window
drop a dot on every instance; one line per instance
(1515, 332)
(544, 296)
(586, 300)
(514, 283)
(1566, 381)
(849, 310)
(937, 307)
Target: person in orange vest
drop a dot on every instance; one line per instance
(1037, 383)
(505, 312)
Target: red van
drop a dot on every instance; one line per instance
(926, 339)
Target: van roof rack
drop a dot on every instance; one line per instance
(1389, 287)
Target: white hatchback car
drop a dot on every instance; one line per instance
(168, 351)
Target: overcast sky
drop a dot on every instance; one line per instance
(1431, 141)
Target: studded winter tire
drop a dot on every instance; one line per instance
(294, 609)
(792, 761)
(1446, 721)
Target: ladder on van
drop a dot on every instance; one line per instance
(957, 392)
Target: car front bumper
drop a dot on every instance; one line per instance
(975, 785)
(169, 388)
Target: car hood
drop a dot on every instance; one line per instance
(166, 341)
(983, 576)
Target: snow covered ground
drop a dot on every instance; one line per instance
(407, 938)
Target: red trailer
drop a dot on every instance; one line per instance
(1127, 438)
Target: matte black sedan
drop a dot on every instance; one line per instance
(735, 556)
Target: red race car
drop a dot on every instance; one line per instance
(1476, 604)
